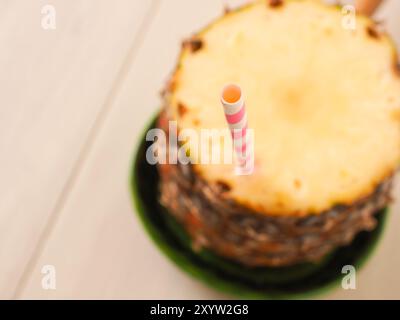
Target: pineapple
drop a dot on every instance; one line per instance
(324, 104)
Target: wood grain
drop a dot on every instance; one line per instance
(98, 247)
(53, 85)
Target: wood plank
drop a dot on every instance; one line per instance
(388, 13)
(54, 84)
(98, 247)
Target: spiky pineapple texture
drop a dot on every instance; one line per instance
(324, 103)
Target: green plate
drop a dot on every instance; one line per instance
(299, 281)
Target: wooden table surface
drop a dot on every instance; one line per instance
(73, 103)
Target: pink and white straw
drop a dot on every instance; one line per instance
(235, 113)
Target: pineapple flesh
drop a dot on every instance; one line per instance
(323, 101)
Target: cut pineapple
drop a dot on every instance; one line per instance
(324, 103)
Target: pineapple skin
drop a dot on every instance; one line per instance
(253, 238)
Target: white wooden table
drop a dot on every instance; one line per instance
(73, 103)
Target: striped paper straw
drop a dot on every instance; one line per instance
(235, 113)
